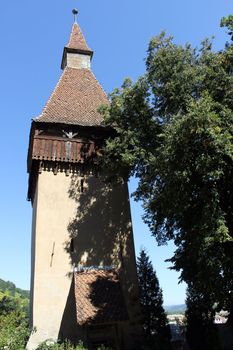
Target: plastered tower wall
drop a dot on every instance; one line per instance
(97, 218)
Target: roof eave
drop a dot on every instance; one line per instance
(64, 124)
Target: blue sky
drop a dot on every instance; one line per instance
(32, 38)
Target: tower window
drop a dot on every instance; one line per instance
(82, 185)
(72, 245)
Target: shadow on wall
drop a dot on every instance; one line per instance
(100, 235)
(69, 328)
(100, 228)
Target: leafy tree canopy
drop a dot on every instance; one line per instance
(14, 329)
(174, 132)
(10, 303)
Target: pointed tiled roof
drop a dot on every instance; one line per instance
(77, 40)
(75, 100)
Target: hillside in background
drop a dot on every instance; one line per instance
(175, 309)
(11, 287)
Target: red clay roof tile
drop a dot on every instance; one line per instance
(77, 40)
(75, 100)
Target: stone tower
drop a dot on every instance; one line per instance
(83, 274)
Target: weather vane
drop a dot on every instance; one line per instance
(75, 12)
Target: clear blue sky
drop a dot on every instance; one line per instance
(33, 34)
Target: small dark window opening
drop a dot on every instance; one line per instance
(82, 185)
(72, 245)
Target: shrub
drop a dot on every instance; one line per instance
(14, 331)
(51, 345)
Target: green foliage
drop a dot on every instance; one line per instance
(10, 303)
(132, 117)
(228, 22)
(174, 132)
(14, 329)
(155, 325)
(50, 345)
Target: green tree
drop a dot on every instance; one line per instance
(174, 132)
(14, 331)
(155, 325)
(14, 328)
(10, 303)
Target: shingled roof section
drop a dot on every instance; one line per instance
(77, 40)
(75, 100)
(99, 298)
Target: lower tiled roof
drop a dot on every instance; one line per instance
(99, 297)
(75, 100)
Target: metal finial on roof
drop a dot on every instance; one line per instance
(75, 12)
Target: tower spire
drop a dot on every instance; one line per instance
(75, 13)
(76, 50)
